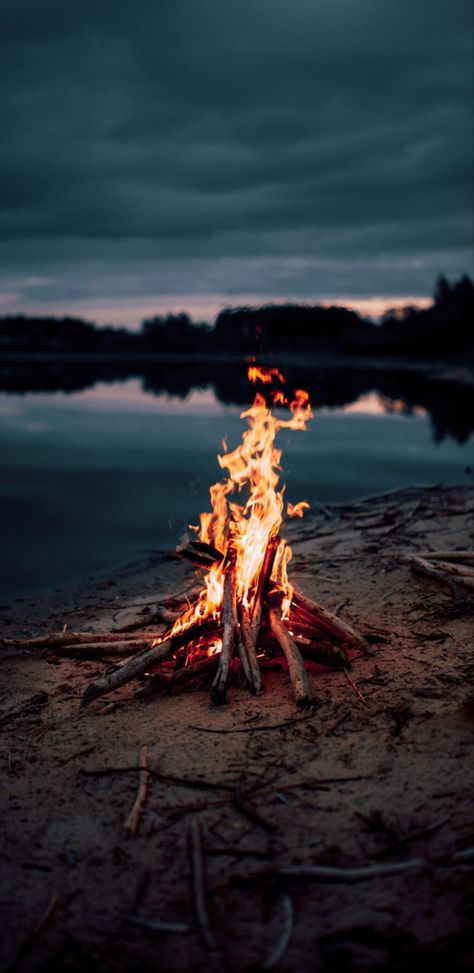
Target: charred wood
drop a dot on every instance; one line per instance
(229, 620)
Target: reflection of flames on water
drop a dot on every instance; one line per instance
(247, 527)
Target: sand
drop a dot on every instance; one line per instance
(341, 785)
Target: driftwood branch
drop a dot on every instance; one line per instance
(421, 565)
(73, 640)
(455, 568)
(298, 675)
(229, 620)
(132, 819)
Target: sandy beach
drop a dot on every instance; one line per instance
(343, 785)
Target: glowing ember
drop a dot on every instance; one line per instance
(253, 469)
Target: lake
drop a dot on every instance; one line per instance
(94, 479)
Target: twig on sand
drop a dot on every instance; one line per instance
(156, 925)
(199, 887)
(249, 812)
(363, 873)
(355, 687)
(133, 818)
(421, 565)
(33, 935)
(285, 906)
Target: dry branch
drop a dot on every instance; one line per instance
(229, 620)
(66, 640)
(122, 647)
(298, 675)
(421, 566)
(334, 625)
(454, 568)
(199, 888)
(132, 819)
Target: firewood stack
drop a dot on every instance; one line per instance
(309, 632)
(247, 610)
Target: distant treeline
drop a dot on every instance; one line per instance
(442, 331)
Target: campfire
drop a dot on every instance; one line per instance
(247, 610)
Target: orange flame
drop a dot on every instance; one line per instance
(297, 509)
(266, 375)
(252, 473)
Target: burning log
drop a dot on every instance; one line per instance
(325, 653)
(181, 677)
(246, 640)
(229, 619)
(334, 625)
(137, 664)
(200, 554)
(298, 675)
(262, 586)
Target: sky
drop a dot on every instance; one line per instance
(193, 154)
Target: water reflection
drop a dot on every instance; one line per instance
(447, 400)
(93, 479)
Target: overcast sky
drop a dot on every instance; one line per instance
(170, 154)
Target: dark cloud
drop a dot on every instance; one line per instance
(193, 144)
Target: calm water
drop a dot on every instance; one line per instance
(96, 479)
